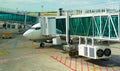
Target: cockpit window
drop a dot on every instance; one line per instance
(36, 28)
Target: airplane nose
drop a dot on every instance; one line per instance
(32, 34)
(27, 34)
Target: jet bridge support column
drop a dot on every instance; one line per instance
(67, 47)
(70, 48)
(67, 29)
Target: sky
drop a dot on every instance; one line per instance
(54, 5)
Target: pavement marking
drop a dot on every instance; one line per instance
(4, 52)
(81, 65)
(113, 69)
(87, 65)
(64, 62)
(100, 68)
(34, 45)
(74, 63)
(95, 68)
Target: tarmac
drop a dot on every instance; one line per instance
(21, 54)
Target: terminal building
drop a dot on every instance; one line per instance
(13, 19)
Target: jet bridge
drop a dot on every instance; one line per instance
(105, 26)
(98, 26)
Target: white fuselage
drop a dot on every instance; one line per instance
(35, 34)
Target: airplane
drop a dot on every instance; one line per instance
(35, 34)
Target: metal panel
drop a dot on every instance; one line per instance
(51, 26)
(86, 51)
(42, 21)
(91, 52)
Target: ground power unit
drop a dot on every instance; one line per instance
(94, 51)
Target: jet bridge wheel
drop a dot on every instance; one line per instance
(73, 53)
(42, 44)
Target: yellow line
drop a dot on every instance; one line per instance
(4, 52)
(95, 68)
(35, 45)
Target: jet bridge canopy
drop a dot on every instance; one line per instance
(100, 26)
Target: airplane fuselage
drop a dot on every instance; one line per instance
(35, 34)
